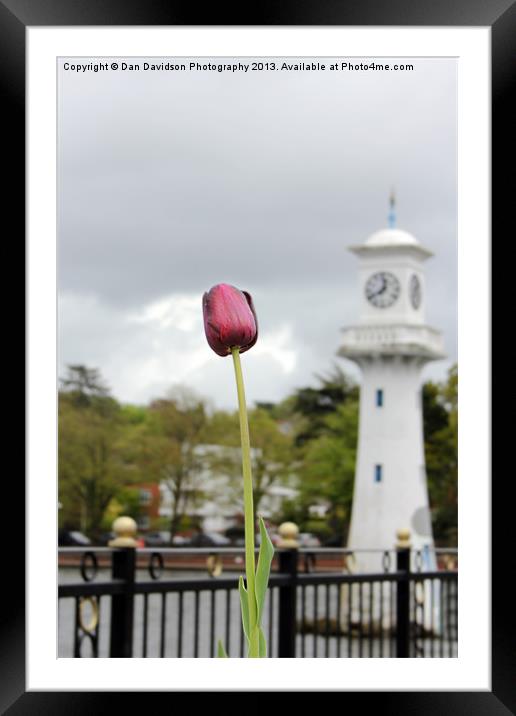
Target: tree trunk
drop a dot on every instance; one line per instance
(176, 517)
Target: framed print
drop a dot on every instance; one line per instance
(161, 149)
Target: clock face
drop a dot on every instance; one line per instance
(415, 291)
(382, 289)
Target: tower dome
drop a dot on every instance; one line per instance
(391, 237)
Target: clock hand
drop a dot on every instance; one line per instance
(384, 286)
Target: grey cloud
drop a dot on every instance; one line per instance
(170, 183)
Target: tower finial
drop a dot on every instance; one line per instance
(392, 212)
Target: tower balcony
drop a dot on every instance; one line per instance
(396, 340)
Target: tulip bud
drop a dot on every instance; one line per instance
(229, 319)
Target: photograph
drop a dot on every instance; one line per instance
(259, 245)
(259, 241)
(257, 356)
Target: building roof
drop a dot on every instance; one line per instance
(391, 237)
(391, 240)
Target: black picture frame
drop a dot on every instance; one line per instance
(500, 16)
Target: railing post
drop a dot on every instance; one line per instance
(287, 593)
(122, 605)
(403, 594)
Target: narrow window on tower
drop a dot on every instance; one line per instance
(377, 473)
(379, 398)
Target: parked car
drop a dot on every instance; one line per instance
(72, 538)
(209, 539)
(156, 539)
(236, 535)
(307, 539)
(105, 538)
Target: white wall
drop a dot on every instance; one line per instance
(390, 436)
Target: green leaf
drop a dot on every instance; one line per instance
(221, 652)
(263, 645)
(244, 605)
(256, 640)
(263, 568)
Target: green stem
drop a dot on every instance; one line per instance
(248, 507)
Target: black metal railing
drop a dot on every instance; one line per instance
(153, 603)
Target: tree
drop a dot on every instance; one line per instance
(271, 452)
(315, 404)
(440, 409)
(328, 467)
(85, 388)
(92, 450)
(126, 502)
(322, 425)
(167, 449)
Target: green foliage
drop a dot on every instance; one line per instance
(84, 382)
(221, 652)
(188, 523)
(293, 510)
(328, 465)
(272, 454)
(244, 607)
(84, 388)
(440, 410)
(309, 437)
(166, 449)
(129, 501)
(315, 404)
(159, 524)
(262, 644)
(134, 414)
(222, 428)
(93, 450)
(263, 568)
(319, 527)
(265, 555)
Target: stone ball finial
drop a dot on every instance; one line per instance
(288, 532)
(403, 536)
(125, 529)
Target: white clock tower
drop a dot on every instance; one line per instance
(391, 343)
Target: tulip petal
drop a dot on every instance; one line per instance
(229, 319)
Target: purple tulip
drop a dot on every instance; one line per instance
(229, 319)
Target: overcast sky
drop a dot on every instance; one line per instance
(171, 182)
